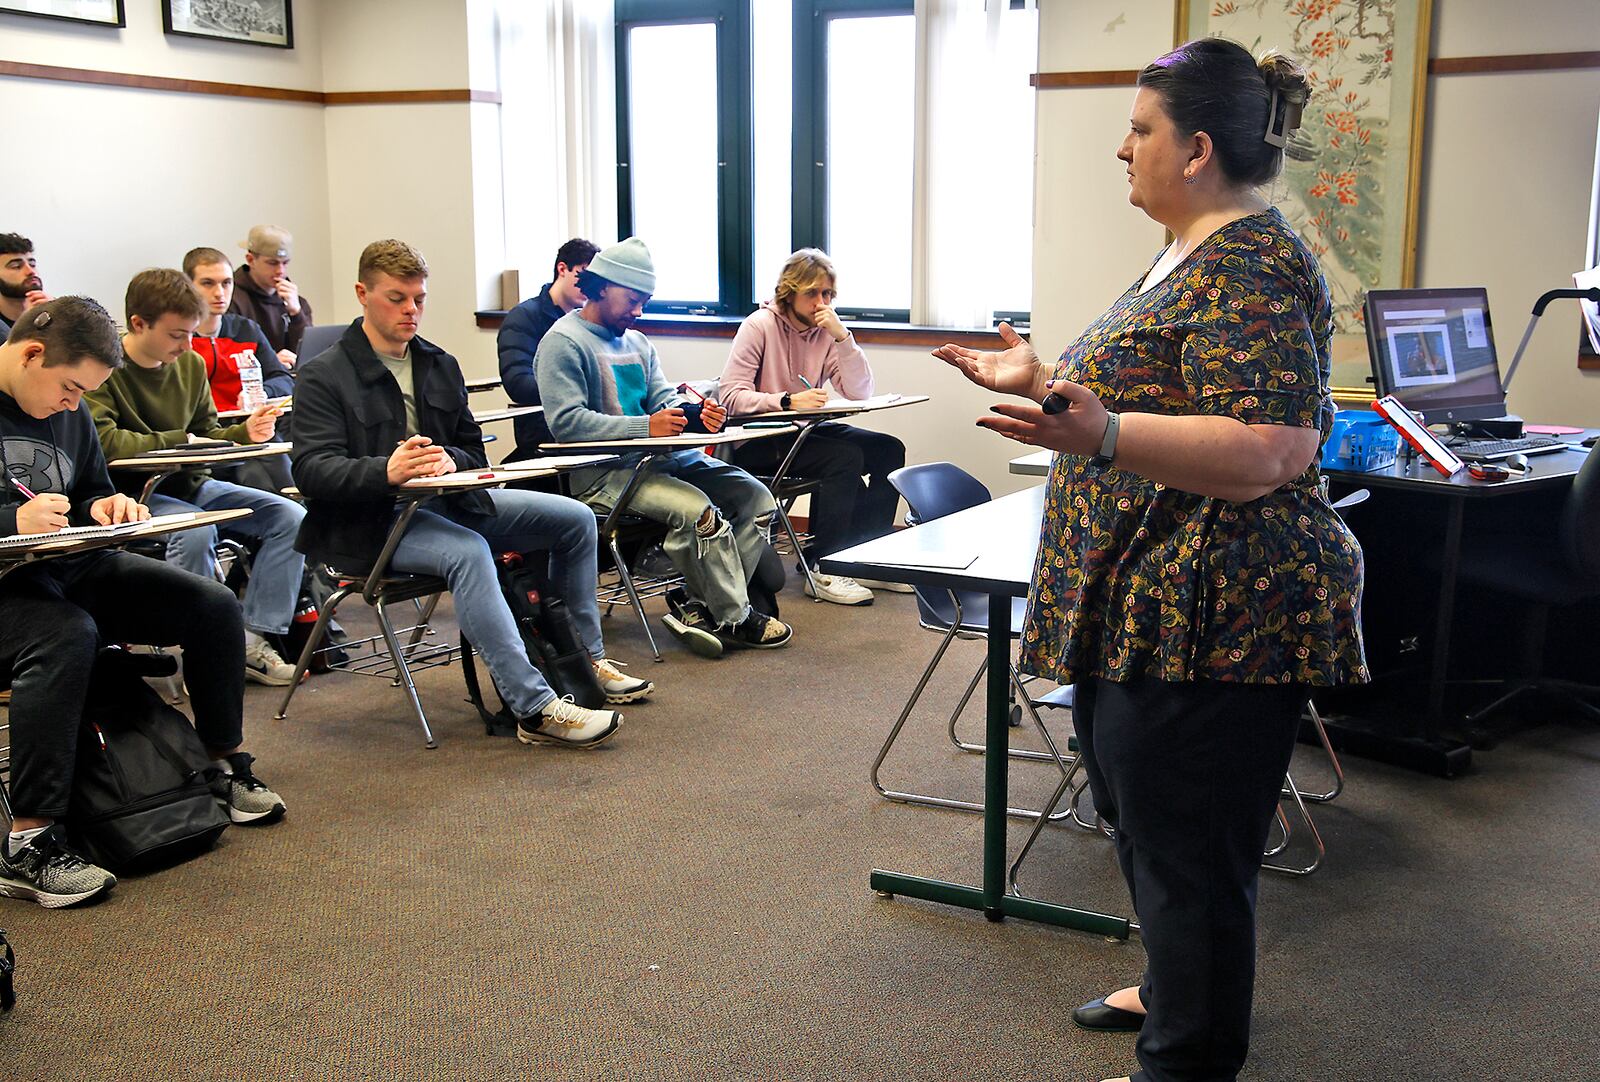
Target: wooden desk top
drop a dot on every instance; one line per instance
(839, 407)
(685, 440)
(505, 413)
(52, 545)
(177, 458)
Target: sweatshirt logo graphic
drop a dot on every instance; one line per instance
(37, 465)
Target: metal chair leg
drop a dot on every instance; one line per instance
(805, 564)
(633, 595)
(381, 607)
(318, 633)
(1333, 761)
(1023, 700)
(903, 797)
(1311, 830)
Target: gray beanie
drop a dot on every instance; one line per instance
(626, 264)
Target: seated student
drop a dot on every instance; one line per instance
(385, 405)
(523, 330)
(160, 399)
(784, 353)
(232, 347)
(267, 295)
(600, 380)
(20, 285)
(54, 614)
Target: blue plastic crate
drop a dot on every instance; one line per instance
(1360, 441)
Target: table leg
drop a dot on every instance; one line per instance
(1439, 669)
(992, 898)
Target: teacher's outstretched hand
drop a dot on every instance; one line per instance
(1077, 430)
(1013, 370)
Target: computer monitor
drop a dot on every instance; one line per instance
(1433, 349)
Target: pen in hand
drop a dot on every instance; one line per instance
(805, 381)
(27, 493)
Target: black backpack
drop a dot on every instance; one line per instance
(141, 794)
(548, 635)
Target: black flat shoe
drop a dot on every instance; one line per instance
(1096, 1015)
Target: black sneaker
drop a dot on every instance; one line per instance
(757, 631)
(245, 796)
(47, 872)
(691, 623)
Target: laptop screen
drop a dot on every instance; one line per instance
(1433, 349)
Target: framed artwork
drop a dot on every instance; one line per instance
(250, 22)
(1351, 173)
(94, 12)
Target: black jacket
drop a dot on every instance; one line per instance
(348, 418)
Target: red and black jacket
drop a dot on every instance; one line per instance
(236, 336)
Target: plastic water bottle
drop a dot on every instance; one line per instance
(251, 391)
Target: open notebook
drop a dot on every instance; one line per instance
(90, 533)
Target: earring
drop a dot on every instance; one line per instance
(1188, 178)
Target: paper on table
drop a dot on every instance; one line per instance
(1552, 430)
(88, 533)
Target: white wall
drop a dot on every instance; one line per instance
(116, 180)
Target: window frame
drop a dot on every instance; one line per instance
(735, 147)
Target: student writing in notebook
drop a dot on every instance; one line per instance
(784, 355)
(54, 614)
(160, 400)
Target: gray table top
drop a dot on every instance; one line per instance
(989, 549)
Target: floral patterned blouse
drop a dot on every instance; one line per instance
(1138, 579)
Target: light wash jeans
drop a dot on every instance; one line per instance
(274, 577)
(459, 547)
(676, 493)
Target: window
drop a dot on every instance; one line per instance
(749, 128)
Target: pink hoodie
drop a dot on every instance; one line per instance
(771, 350)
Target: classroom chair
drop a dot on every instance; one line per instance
(932, 490)
(319, 338)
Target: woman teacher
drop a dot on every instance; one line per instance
(1192, 581)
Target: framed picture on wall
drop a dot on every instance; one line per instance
(1351, 173)
(94, 12)
(250, 22)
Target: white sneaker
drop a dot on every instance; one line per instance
(618, 685)
(836, 588)
(263, 665)
(892, 587)
(563, 721)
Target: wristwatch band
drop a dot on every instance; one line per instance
(1108, 443)
(783, 403)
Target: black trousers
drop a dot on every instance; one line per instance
(1189, 775)
(844, 510)
(54, 617)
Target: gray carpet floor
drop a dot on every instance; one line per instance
(691, 902)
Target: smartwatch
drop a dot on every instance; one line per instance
(1108, 443)
(783, 403)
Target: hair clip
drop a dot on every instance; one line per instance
(41, 320)
(1280, 122)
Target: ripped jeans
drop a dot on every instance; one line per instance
(715, 516)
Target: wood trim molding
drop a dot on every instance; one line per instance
(1459, 65)
(1482, 65)
(1054, 80)
(91, 77)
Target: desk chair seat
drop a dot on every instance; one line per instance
(392, 660)
(933, 490)
(1542, 572)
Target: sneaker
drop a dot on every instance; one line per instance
(620, 687)
(836, 588)
(892, 587)
(563, 721)
(691, 623)
(757, 631)
(246, 797)
(263, 665)
(47, 872)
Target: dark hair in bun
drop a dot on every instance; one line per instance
(1216, 86)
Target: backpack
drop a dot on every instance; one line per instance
(8, 966)
(548, 635)
(141, 793)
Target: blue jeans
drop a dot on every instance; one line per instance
(679, 488)
(274, 577)
(459, 547)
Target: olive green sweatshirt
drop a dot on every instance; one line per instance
(145, 409)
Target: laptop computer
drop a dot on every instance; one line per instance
(1433, 351)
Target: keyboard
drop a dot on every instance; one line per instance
(1490, 450)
